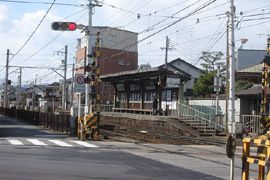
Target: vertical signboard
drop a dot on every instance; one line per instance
(79, 83)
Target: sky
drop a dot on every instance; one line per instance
(192, 26)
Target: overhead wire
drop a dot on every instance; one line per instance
(35, 2)
(33, 31)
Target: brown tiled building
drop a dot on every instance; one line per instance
(118, 52)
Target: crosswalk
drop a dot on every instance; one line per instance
(45, 142)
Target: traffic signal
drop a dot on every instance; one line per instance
(87, 68)
(64, 26)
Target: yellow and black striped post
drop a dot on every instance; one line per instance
(98, 83)
(264, 119)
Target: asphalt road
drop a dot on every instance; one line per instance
(28, 152)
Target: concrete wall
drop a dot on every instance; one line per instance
(113, 39)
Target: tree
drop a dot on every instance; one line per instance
(204, 86)
(242, 84)
(211, 59)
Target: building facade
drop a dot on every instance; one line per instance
(118, 52)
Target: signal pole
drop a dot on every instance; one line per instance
(64, 95)
(6, 81)
(89, 59)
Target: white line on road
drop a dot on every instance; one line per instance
(85, 144)
(61, 143)
(15, 142)
(37, 142)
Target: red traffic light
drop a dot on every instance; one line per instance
(64, 26)
(72, 26)
(87, 68)
(87, 80)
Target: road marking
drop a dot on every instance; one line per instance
(37, 142)
(15, 142)
(85, 144)
(61, 143)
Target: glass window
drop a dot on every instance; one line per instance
(120, 87)
(128, 63)
(135, 96)
(148, 96)
(166, 96)
(122, 96)
(121, 62)
(135, 87)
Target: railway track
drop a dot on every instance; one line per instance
(133, 135)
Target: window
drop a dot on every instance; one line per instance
(135, 87)
(148, 96)
(122, 96)
(149, 85)
(128, 63)
(135, 96)
(121, 62)
(112, 38)
(166, 96)
(120, 87)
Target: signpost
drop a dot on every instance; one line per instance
(79, 83)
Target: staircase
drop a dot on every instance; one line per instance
(204, 123)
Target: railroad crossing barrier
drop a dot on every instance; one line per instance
(88, 126)
(262, 158)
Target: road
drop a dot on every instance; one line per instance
(28, 152)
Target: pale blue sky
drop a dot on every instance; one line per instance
(201, 31)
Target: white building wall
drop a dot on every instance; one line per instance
(194, 72)
(113, 39)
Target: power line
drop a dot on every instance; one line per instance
(45, 3)
(33, 31)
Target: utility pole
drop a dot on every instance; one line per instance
(227, 69)
(167, 48)
(231, 88)
(72, 85)
(6, 81)
(232, 74)
(64, 94)
(217, 86)
(89, 59)
(18, 98)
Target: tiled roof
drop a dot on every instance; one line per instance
(255, 68)
(254, 90)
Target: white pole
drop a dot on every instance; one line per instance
(88, 59)
(64, 95)
(232, 90)
(232, 73)
(6, 81)
(79, 114)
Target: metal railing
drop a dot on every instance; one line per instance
(106, 107)
(253, 123)
(206, 120)
(204, 108)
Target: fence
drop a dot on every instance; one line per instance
(253, 123)
(56, 122)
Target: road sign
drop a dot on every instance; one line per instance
(79, 83)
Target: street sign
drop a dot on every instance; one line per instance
(79, 83)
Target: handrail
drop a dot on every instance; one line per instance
(185, 110)
(212, 109)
